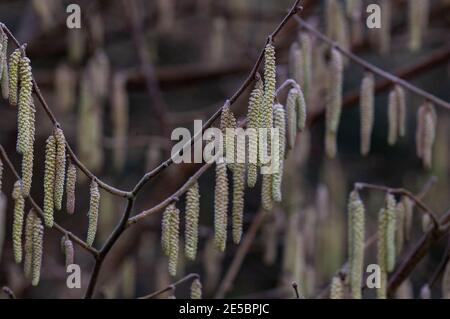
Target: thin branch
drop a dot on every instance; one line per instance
(369, 66)
(295, 287)
(38, 209)
(171, 287)
(402, 191)
(8, 291)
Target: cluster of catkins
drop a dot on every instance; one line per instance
(264, 114)
(394, 227)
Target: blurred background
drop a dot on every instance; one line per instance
(136, 69)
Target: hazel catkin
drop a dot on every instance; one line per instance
(367, 111)
(381, 252)
(220, 206)
(334, 106)
(192, 216)
(390, 232)
(254, 123)
(68, 250)
(196, 289)
(227, 122)
(28, 245)
(71, 180)
(14, 61)
(291, 114)
(278, 154)
(19, 206)
(392, 118)
(237, 211)
(429, 136)
(60, 166)
(401, 110)
(357, 233)
(38, 238)
(301, 109)
(165, 229)
(266, 192)
(173, 244)
(25, 115)
(93, 212)
(337, 288)
(4, 74)
(49, 180)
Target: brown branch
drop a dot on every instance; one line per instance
(171, 287)
(401, 191)
(240, 255)
(376, 70)
(8, 291)
(38, 209)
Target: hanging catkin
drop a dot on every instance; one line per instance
(401, 110)
(93, 212)
(19, 206)
(254, 123)
(238, 196)
(393, 118)
(400, 226)
(381, 252)
(356, 218)
(334, 106)
(426, 223)
(421, 114)
(301, 109)
(291, 114)
(220, 206)
(68, 250)
(60, 167)
(28, 245)
(446, 282)
(71, 180)
(119, 120)
(165, 229)
(27, 172)
(192, 216)
(65, 84)
(38, 238)
(4, 74)
(173, 244)
(306, 45)
(227, 122)
(266, 192)
(269, 94)
(279, 123)
(196, 289)
(14, 61)
(419, 11)
(337, 288)
(390, 232)
(367, 111)
(49, 180)
(429, 135)
(409, 207)
(25, 116)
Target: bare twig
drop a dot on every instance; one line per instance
(171, 287)
(8, 291)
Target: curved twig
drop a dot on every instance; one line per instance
(171, 287)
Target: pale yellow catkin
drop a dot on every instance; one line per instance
(38, 240)
(334, 106)
(409, 210)
(446, 282)
(357, 219)
(401, 106)
(337, 288)
(291, 114)
(28, 245)
(390, 232)
(220, 206)
(421, 112)
(419, 11)
(196, 289)
(49, 180)
(269, 93)
(69, 251)
(254, 123)
(367, 112)
(426, 222)
(266, 192)
(301, 109)
(14, 61)
(381, 253)
(174, 244)
(93, 212)
(19, 206)
(71, 180)
(279, 123)
(429, 136)
(392, 118)
(237, 211)
(60, 166)
(4, 74)
(227, 122)
(400, 226)
(25, 111)
(165, 229)
(192, 217)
